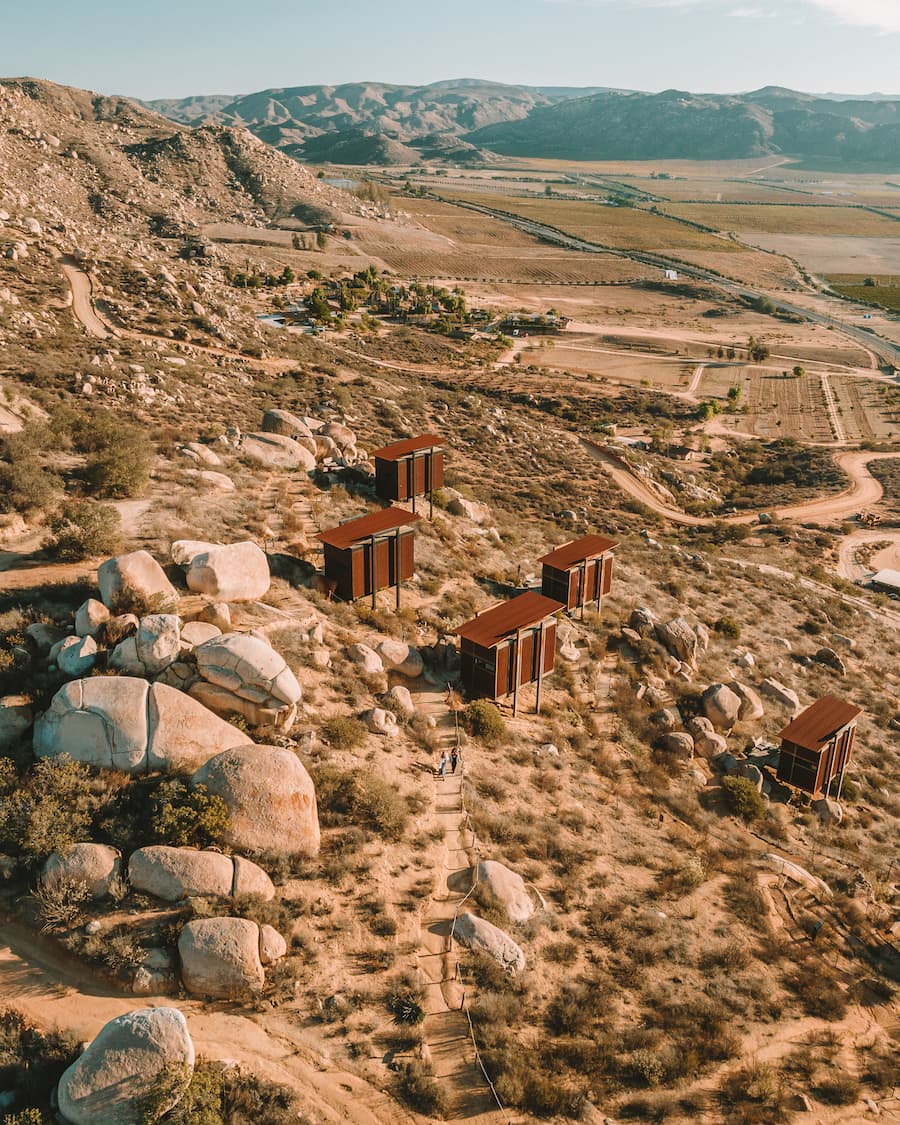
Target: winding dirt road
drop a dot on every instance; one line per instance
(82, 290)
(863, 491)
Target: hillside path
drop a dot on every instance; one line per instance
(446, 1027)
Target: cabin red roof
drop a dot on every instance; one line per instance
(814, 728)
(409, 445)
(359, 530)
(578, 551)
(488, 629)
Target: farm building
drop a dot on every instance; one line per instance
(579, 573)
(410, 468)
(509, 646)
(816, 746)
(887, 581)
(541, 324)
(372, 553)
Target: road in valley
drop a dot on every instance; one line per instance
(887, 351)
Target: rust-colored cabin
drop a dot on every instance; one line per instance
(410, 468)
(579, 573)
(509, 646)
(816, 746)
(372, 553)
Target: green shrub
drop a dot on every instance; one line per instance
(120, 470)
(743, 798)
(483, 720)
(728, 627)
(347, 797)
(48, 811)
(215, 1096)
(344, 732)
(25, 487)
(84, 529)
(184, 817)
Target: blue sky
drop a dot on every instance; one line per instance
(172, 48)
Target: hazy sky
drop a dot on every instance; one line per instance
(172, 48)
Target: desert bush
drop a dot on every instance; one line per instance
(25, 486)
(754, 1094)
(83, 529)
(483, 720)
(186, 817)
(417, 1087)
(217, 1096)
(743, 798)
(366, 800)
(728, 627)
(60, 901)
(31, 1063)
(48, 811)
(344, 732)
(405, 999)
(819, 993)
(838, 1088)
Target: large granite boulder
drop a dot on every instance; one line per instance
(679, 744)
(367, 658)
(242, 674)
(508, 888)
(149, 651)
(784, 696)
(678, 637)
(721, 706)
(89, 617)
(137, 1058)
(232, 572)
(274, 451)
(135, 582)
(119, 722)
(751, 708)
(475, 933)
(272, 946)
(288, 425)
(270, 797)
(342, 437)
(176, 873)
(399, 657)
(16, 717)
(831, 659)
(220, 958)
(469, 509)
(97, 866)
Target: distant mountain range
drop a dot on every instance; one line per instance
(470, 121)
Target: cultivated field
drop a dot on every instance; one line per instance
(795, 219)
(607, 364)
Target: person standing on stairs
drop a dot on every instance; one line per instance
(454, 759)
(442, 765)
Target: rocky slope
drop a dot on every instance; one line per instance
(364, 122)
(91, 169)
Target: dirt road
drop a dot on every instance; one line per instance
(82, 300)
(863, 491)
(889, 557)
(55, 990)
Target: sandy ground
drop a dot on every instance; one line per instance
(832, 253)
(888, 558)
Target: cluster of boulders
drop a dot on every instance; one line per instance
(508, 891)
(287, 441)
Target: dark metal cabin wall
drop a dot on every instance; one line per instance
(490, 672)
(799, 767)
(578, 585)
(351, 567)
(414, 475)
